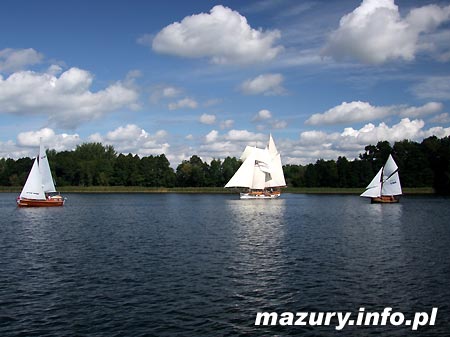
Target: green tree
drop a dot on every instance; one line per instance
(192, 172)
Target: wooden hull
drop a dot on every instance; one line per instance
(259, 195)
(385, 200)
(51, 202)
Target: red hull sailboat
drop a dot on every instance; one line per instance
(39, 189)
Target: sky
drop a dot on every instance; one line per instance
(207, 78)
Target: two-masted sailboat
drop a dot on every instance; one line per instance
(385, 186)
(261, 173)
(39, 189)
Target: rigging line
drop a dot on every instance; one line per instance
(389, 176)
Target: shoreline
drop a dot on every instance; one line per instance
(209, 190)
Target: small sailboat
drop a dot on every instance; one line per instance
(385, 186)
(39, 189)
(261, 173)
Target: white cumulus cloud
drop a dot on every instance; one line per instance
(133, 139)
(66, 100)
(18, 59)
(316, 144)
(262, 115)
(358, 111)
(59, 142)
(265, 84)
(212, 136)
(183, 103)
(164, 92)
(375, 32)
(223, 35)
(207, 119)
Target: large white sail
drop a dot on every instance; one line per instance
(389, 168)
(392, 185)
(277, 174)
(33, 186)
(373, 190)
(46, 174)
(244, 175)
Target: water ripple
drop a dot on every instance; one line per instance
(204, 265)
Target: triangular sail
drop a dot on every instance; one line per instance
(373, 190)
(46, 174)
(33, 186)
(389, 168)
(392, 185)
(244, 175)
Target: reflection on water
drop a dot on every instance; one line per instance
(389, 213)
(258, 229)
(203, 265)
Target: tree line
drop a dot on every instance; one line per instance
(425, 164)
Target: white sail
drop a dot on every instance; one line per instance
(247, 152)
(259, 176)
(277, 175)
(46, 174)
(389, 168)
(33, 186)
(244, 175)
(392, 185)
(373, 190)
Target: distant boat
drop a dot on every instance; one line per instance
(39, 189)
(385, 186)
(261, 173)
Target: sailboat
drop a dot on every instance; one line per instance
(261, 173)
(39, 189)
(385, 186)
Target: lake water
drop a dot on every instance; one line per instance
(204, 265)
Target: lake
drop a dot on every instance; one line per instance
(205, 264)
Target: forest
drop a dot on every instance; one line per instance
(425, 164)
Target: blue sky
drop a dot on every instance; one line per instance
(325, 78)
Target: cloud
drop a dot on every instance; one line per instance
(244, 136)
(27, 143)
(59, 142)
(350, 142)
(436, 87)
(164, 92)
(358, 111)
(371, 134)
(223, 35)
(227, 124)
(375, 32)
(183, 103)
(262, 115)
(212, 136)
(443, 118)
(207, 119)
(66, 100)
(264, 118)
(133, 139)
(427, 109)
(17, 59)
(266, 84)
(278, 124)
